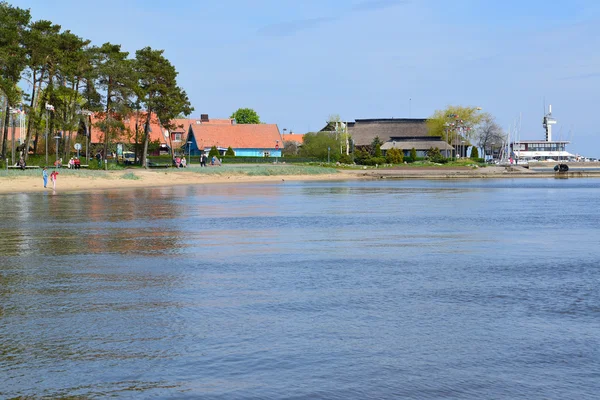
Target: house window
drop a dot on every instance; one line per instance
(177, 137)
(267, 154)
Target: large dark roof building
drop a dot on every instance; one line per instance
(401, 133)
(364, 131)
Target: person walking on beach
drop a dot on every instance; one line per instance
(203, 160)
(53, 177)
(45, 176)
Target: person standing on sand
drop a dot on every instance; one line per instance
(53, 177)
(183, 162)
(45, 176)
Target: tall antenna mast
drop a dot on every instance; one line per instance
(548, 122)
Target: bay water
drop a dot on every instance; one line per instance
(304, 290)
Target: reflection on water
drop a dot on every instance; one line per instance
(419, 289)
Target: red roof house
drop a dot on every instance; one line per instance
(246, 140)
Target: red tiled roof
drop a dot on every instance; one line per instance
(294, 137)
(239, 136)
(128, 136)
(184, 123)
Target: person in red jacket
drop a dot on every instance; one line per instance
(53, 177)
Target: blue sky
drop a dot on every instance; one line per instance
(296, 62)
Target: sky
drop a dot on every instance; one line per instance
(298, 62)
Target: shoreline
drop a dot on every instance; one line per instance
(75, 181)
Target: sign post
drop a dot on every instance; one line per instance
(276, 150)
(78, 147)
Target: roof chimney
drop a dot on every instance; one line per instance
(204, 117)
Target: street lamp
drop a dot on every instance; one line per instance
(57, 137)
(13, 113)
(49, 107)
(189, 143)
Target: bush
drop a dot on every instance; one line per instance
(413, 154)
(474, 153)
(230, 152)
(346, 159)
(394, 156)
(374, 161)
(360, 157)
(434, 155)
(213, 152)
(378, 160)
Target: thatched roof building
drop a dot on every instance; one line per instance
(402, 133)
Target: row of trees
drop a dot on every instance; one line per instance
(68, 78)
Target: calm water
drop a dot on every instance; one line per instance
(348, 290)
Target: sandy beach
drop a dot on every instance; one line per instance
(70, 181)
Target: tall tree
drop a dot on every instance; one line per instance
(72, 65)
(246, 116)
(490, 134)
(321, 145)
(40, 42)
(334, 122)
(13, 23)
(116, 78)
(454, 121)
(158, 91)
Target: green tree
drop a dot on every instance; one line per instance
(13, 24)
(40, 43)
(376, 147)
(474, 153)
(213, 152)
(454, 121)
(413, 154)
(230, 152)
(117, 79)
(72, 64)
(394, 156)
(158, 91)
(246, 116)
(319, 144)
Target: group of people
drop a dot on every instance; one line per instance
(74, 163)
(213, 161)
(53, 177)
(180, 162)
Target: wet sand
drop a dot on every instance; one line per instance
(106, 180)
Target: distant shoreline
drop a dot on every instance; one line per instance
(74, 181)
